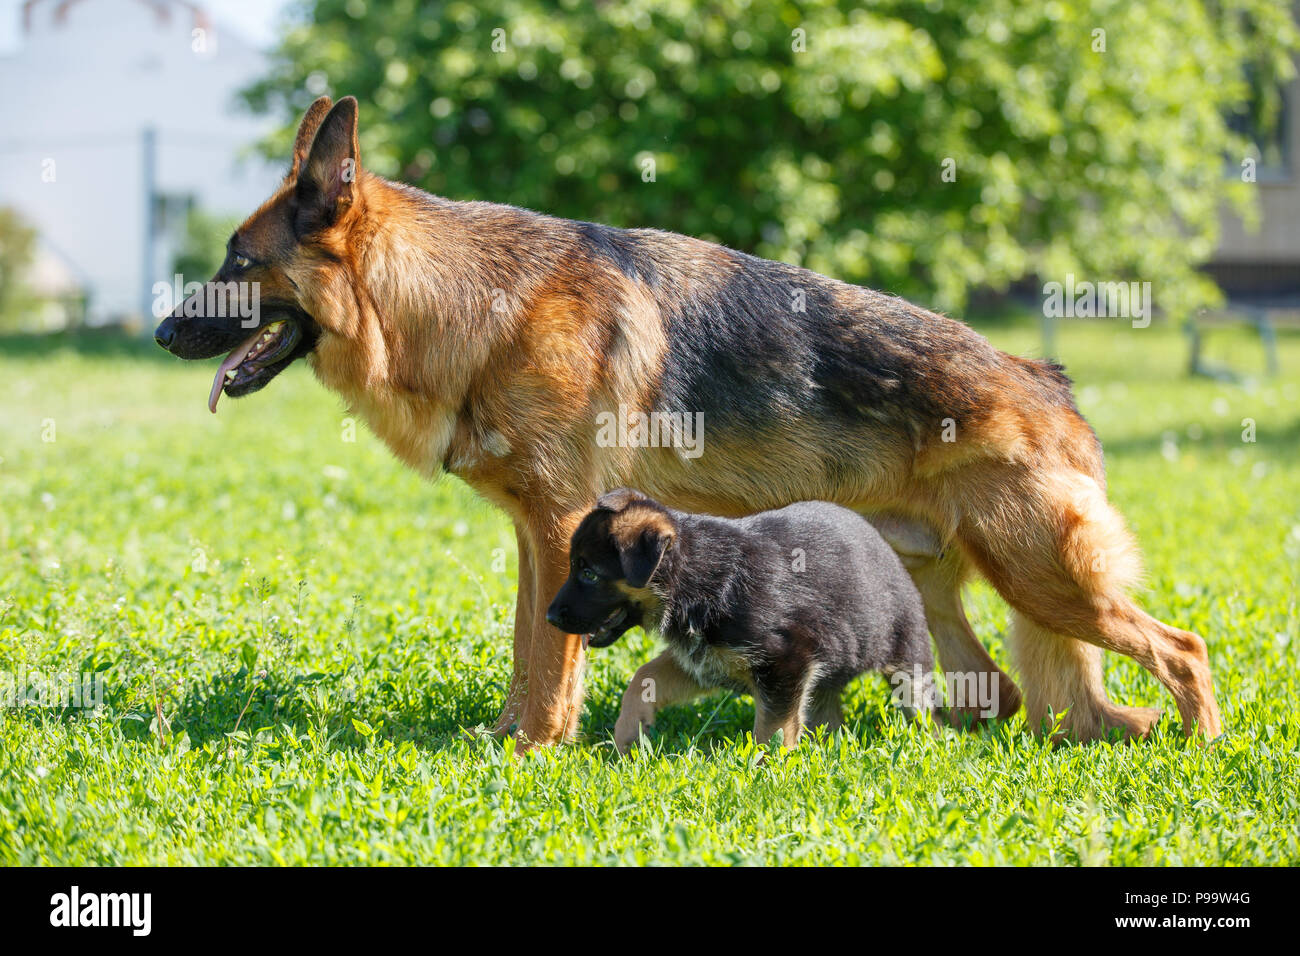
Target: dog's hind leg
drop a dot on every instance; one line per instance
(938, 572)
(1060, 555)
(508, 722)
(1064, 686)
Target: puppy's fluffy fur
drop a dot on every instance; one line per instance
(787, 605)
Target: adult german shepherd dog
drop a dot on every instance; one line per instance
(487, 341)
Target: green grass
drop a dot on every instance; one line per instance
(258, 564)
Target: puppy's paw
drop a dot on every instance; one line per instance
(635, 717)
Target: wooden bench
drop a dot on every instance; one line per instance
(1267, 316)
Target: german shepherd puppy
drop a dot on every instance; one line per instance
(787, 606)
(497, 344)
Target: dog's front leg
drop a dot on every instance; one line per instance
(773, 715)
(654, 686)
(508, 722)
(551, 696)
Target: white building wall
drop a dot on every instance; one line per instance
(74, 101)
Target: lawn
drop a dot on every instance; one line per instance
(321, 633)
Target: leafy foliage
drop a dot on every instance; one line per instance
(203, 245)
(17, 250)
(819, 132)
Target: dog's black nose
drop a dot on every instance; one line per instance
(555, 616)
(165, 334)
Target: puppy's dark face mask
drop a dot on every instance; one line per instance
(613, 555)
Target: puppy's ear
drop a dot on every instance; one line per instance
(311, 121)
(642, 556)
(327, 182)
(619, 498)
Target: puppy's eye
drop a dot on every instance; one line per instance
(589, 575)
(242, 262)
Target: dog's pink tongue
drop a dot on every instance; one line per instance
(231, 361)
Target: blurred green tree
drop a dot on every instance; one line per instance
(925, 147)
(203, 245)
(17, 252)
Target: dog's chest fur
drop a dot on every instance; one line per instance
(416, 429)
(711, 665)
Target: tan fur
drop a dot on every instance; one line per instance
(629, 524)
(1064, 690)
(656, 685)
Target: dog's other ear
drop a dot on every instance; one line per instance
(328, 180)
(311, 121)
(642, 556)
(619, 498)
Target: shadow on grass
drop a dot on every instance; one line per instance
(709, 724)
(432, 721)
(298, 704)
(441, 717)
(1283, 442)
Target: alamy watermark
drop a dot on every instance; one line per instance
(219, 300)
(1086, 300)
(24, 688)
(636, 429)
(916, 689)
(133, 911)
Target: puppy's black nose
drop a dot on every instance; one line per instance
(555, 616)
(165, 334)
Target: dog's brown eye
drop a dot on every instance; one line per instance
(590, 576)
(242, 262)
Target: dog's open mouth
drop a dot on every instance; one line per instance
(606, 634)
(256, 361)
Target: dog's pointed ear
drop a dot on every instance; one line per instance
(641, 557)
(311, 121)
(327, 183)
